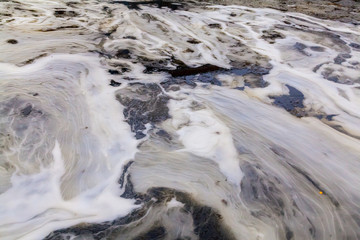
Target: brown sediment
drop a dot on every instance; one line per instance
(342, 10)
(29, 61)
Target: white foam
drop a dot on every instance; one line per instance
(110, 145)
(65, 162)
(203, 134)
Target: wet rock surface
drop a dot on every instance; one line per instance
(12, 41)
(159, 3)
(206, 222)
(293, 102)
(144, 104)
(208, 74)
(271, 36)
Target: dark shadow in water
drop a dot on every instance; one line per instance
(158, 3)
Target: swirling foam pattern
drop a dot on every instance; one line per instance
(128, 120)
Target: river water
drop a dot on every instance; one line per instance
(181, 121)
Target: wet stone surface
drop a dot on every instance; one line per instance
(144, 104)
(12, 41)
(336, 76)
(156, 233)
(63, 13)
(123, 53)
(301, 48)
(26, 111)
(292, 102)
(208, 74)
(114, 83)
(147, 104)
(271, 36)
(355, 45)
(159, 3)
(207, 222)
(341, 58)
(317, 49)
